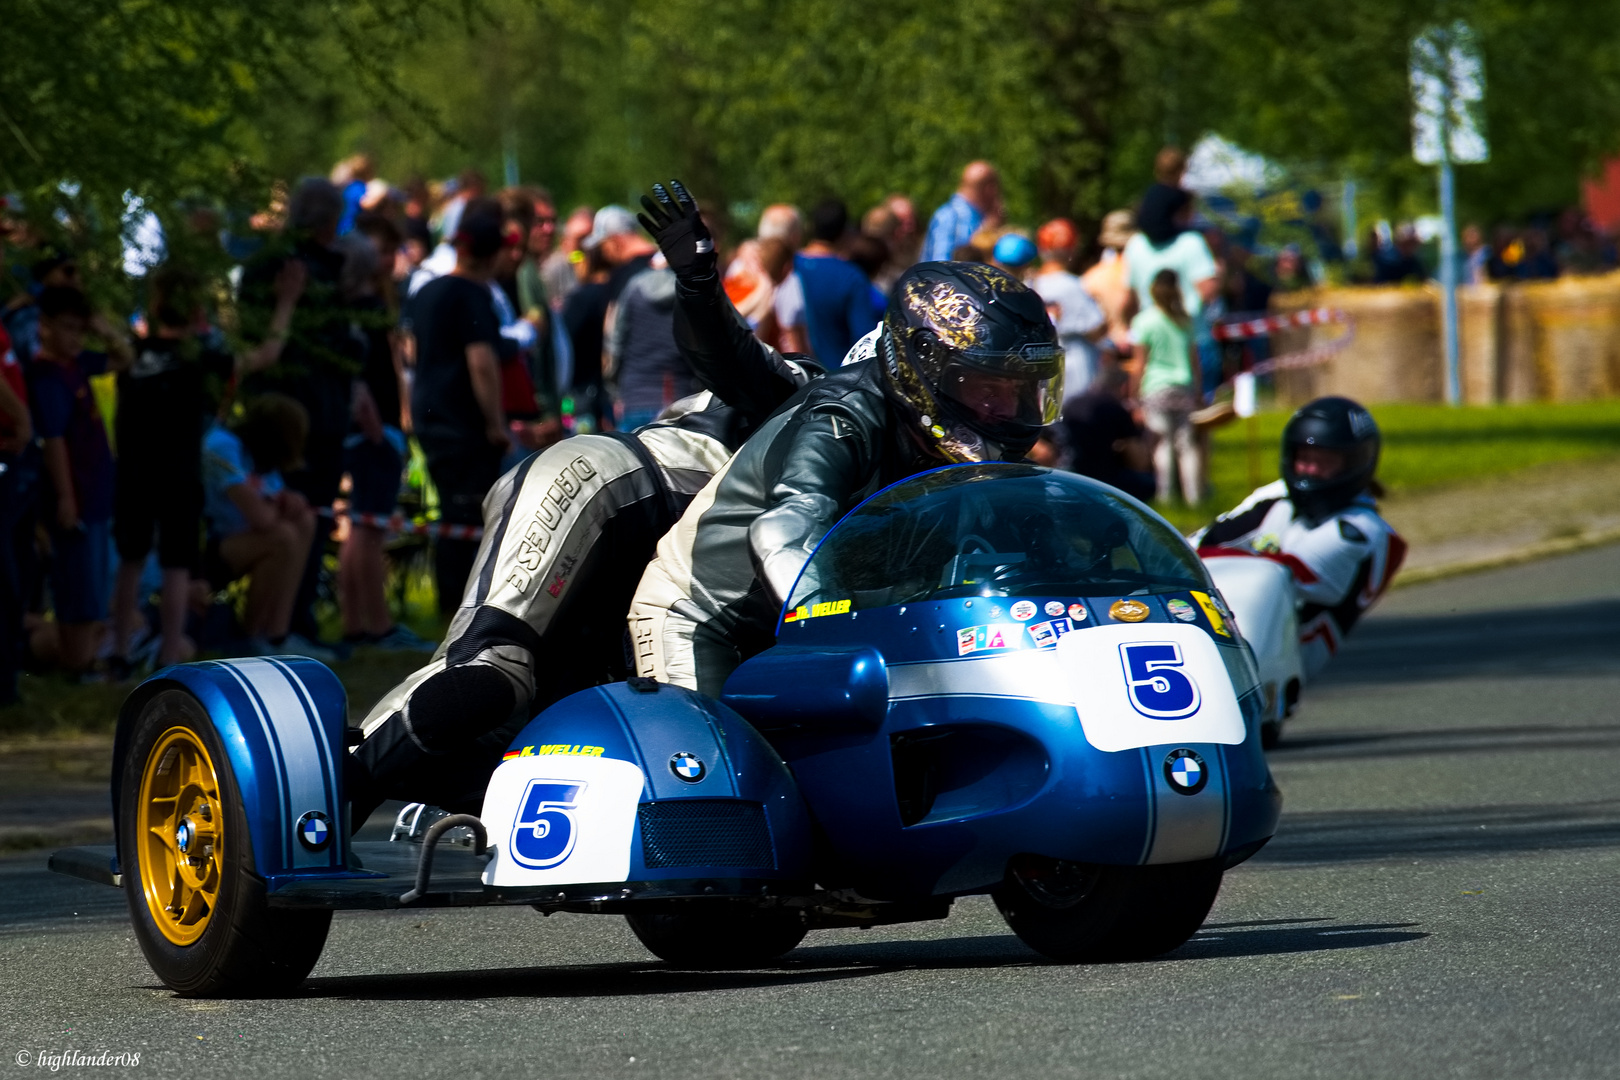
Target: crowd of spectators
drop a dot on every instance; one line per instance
(256, 428)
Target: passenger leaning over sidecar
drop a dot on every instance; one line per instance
(567, 534)
(1321, 521)
(967, 368)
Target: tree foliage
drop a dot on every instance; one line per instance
(757, 100)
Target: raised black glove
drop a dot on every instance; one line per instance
(678, 227)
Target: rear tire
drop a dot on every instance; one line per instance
(1080, 913)
(199, 910)
(720, 935)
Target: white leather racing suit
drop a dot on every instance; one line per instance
(1341, 564)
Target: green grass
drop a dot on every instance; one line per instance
(55, 707)
(1425, 446)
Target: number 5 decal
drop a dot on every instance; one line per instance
(1158, 687)
(544, 833)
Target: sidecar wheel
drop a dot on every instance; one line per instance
(1079, 913)
(720, 935)
(199, 910)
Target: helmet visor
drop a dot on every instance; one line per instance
(1023, 395)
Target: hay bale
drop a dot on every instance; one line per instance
(1395, 355)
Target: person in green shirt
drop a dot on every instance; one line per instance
(1165, 387)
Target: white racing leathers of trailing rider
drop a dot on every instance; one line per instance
(566, 536)
(1341, 564)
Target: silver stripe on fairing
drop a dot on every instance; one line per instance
(277, 777)
(1029, 676)
(330, 761)
(300, 764)
(1188, 828)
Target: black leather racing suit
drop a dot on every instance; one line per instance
(567, 534)
(712, 596)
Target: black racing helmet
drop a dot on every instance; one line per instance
(1337, 424)
(971, 361)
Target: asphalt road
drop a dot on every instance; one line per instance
(1440, 901)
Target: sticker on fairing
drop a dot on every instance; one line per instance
(972, 639)
(561, 819)
(1148, 685)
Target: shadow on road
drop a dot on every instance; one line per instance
(1358, 835)
(1582, 637)
(829, 963)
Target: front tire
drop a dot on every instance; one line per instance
(720, 935)
(199, 910)
(1085, 913)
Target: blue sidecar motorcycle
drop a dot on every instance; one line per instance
(988, 679)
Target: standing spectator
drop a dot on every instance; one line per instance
(975, 206)
(352, 176)
(78, 469)
(1109, 280)
(456, 399)
(584, 315)
(1291, 273)
(647, 365)
(18, 472)
(1403, 265)
(533, 302)
(318, 365)
(374, 452)
(905, 244)
(1107, 444)
(1078, 317)
(1166, 243)
(870, 256)
(257, 526)
(837, 296)
(164, 401)
(559, 271)
(54, 269)
(1166, 387)
(783, 222)
(898, 234)
(1476, 256)
(755, 273)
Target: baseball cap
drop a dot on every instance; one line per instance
(481, 227)
(611, 220)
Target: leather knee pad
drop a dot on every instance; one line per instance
(457, 705)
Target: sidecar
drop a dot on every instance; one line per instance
(1264, 604)
(988, 679)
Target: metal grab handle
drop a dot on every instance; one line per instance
(424, 865)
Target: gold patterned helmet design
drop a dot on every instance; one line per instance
(970, 361)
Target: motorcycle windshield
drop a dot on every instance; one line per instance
(995, 530)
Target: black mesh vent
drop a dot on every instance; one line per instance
(705, 832)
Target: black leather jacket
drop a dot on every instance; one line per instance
(733, 557)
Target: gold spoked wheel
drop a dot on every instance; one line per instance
(180, 832)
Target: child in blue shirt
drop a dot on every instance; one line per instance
(78, 465)
(256, 525)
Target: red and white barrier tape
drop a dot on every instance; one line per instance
(1243, 330)
(400, 525)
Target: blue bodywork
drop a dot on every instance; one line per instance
(650, 727)
(281, 720)
(929, 750)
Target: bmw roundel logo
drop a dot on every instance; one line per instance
(687, 766)
(314, 830)
(1186, 771)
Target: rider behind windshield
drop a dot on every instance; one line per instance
(996, 530)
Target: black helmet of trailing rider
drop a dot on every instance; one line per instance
(970, 361)
(1329, 454)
